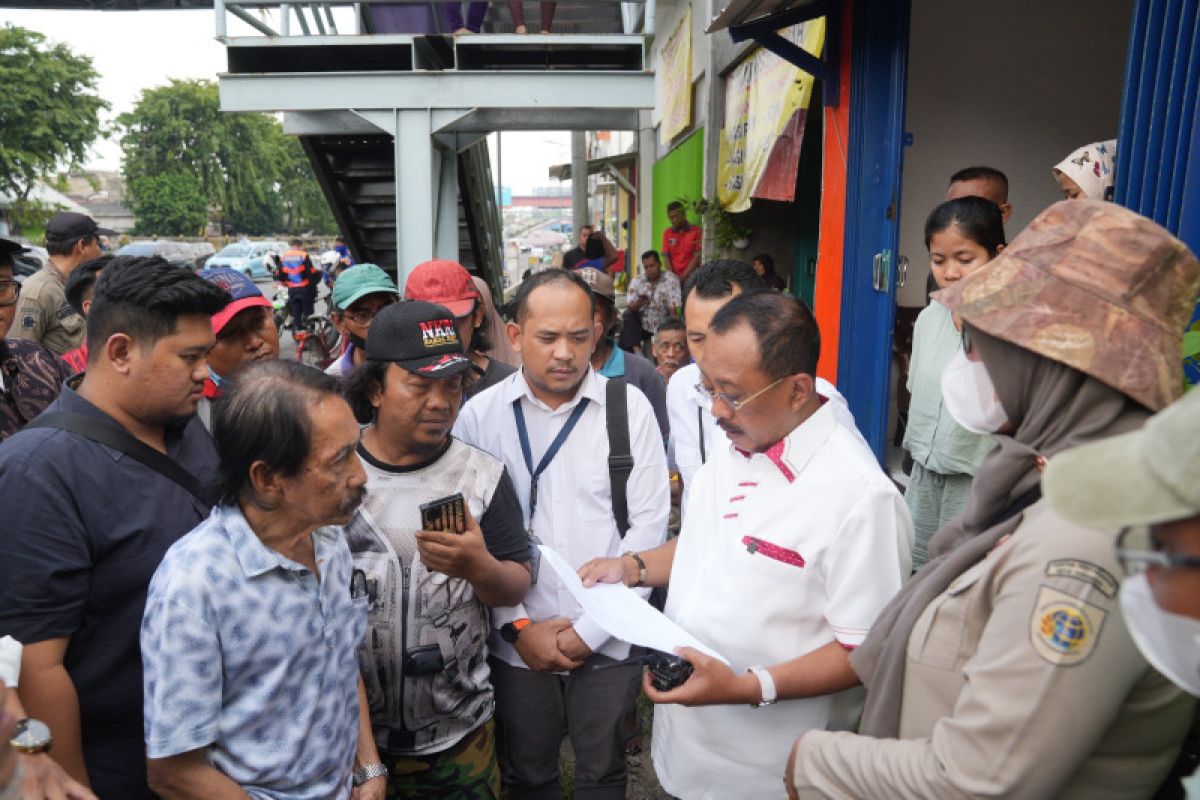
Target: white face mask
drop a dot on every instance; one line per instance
(970, 395)
(1170, 642)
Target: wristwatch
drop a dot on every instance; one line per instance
(368, 773)
(766, 684)
(641, 581)
(511, 631)
(31, 736)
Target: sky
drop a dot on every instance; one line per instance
(136, 50)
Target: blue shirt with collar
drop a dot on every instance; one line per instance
(250, 655)
(84, 527)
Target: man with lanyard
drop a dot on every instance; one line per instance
(610, 360)
(43, 313)
(359, 294)
(548, 424)
(297, 273)
(694, 430)
(794, 541)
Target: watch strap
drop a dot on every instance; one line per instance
(766, 684)
(368, 773)
(641, 567)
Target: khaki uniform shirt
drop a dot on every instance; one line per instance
(1021, 681)
(44, 315)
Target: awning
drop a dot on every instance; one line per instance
(760, 21)
(562, 172)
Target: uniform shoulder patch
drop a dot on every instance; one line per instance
(1064, 629)
(28, 322)
(1095, 576)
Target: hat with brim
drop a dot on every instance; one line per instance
(69, 225)
(359, 281)
(1139, 478)
(1094, 286)
(444, 282)
(418, 336)
(244, 292)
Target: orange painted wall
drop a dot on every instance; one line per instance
(827, 296)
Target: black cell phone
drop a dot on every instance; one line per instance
(446, 514)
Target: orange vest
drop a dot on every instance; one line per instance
(292, 264)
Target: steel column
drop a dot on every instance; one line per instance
(580, 214)
(416, 189)
(446, 231)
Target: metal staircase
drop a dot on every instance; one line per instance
(395, 124)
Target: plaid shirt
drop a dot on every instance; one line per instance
(32, 379)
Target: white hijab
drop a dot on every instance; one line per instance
(1092, 167)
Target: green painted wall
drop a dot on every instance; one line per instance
(679, 174)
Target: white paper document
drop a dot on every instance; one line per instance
(622, 613)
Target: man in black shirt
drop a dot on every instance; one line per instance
(424, 662)
(594, 250)
(85, 524)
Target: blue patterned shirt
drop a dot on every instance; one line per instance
(248, 654)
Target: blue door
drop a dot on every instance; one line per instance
(879, 65)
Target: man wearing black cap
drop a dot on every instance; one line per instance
(425, 662)
(30, 375)
(43, 314)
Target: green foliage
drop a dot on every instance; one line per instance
(169, 203)
(725, 229)
(49, 109)
(253, 177)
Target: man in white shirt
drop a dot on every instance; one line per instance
(694, 431)
(544, 651)
(793, 542)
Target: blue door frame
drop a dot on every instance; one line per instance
(879, 70)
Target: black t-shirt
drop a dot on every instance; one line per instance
(496, 371)
(573, 257)
(84, 529)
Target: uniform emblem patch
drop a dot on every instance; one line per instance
(1064, 629)
(28, 322)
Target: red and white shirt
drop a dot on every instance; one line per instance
(781, 553)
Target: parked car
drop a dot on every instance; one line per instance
(247, 257)
(201, 253)
(29, 262)
(177, 253)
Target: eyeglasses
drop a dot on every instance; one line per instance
(736, 405)
(1135, 553)
(9, 292)
(364, 316)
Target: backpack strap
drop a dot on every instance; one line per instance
(125, 442)
(620, 460)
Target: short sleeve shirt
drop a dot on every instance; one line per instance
(44, 315)
(31, 377)
(250, 655)
(84, 529)
(680, 246)
(663, 298)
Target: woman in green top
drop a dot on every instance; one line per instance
(962, 235)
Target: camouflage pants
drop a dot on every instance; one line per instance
(466, 770)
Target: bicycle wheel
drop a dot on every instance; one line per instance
(314, 353)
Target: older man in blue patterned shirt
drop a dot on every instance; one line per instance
(251, 624)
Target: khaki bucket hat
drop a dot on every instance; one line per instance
(1141, 478)
(1094, 286)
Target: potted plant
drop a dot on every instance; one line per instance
(727, 232)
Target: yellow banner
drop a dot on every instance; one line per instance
(674, 76)
(761, 96)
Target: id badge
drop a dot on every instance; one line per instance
(535, 558)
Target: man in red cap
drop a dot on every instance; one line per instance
(245, 332)
(448, 284)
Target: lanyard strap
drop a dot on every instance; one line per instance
(551, 452)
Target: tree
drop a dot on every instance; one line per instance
(49, 111)
(305, 209)
(245, 167)
(169, 203)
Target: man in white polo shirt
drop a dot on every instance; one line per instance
(793, 541)
(694, 431)
(549, 420)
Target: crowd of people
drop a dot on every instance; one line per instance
(233, 575)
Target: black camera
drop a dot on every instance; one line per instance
(426, 660)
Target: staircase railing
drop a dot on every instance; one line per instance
(316, 18)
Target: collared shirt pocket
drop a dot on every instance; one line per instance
(768, 556)
(938, 639)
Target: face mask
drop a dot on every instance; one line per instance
(1170, 642)
(970, 395)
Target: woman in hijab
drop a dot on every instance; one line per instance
(1087, 174)
(1004, 668)
(501, 350)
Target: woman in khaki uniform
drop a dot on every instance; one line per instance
(1004, 668)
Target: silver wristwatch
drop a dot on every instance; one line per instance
(368, 773)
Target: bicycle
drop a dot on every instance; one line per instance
(317, 342)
